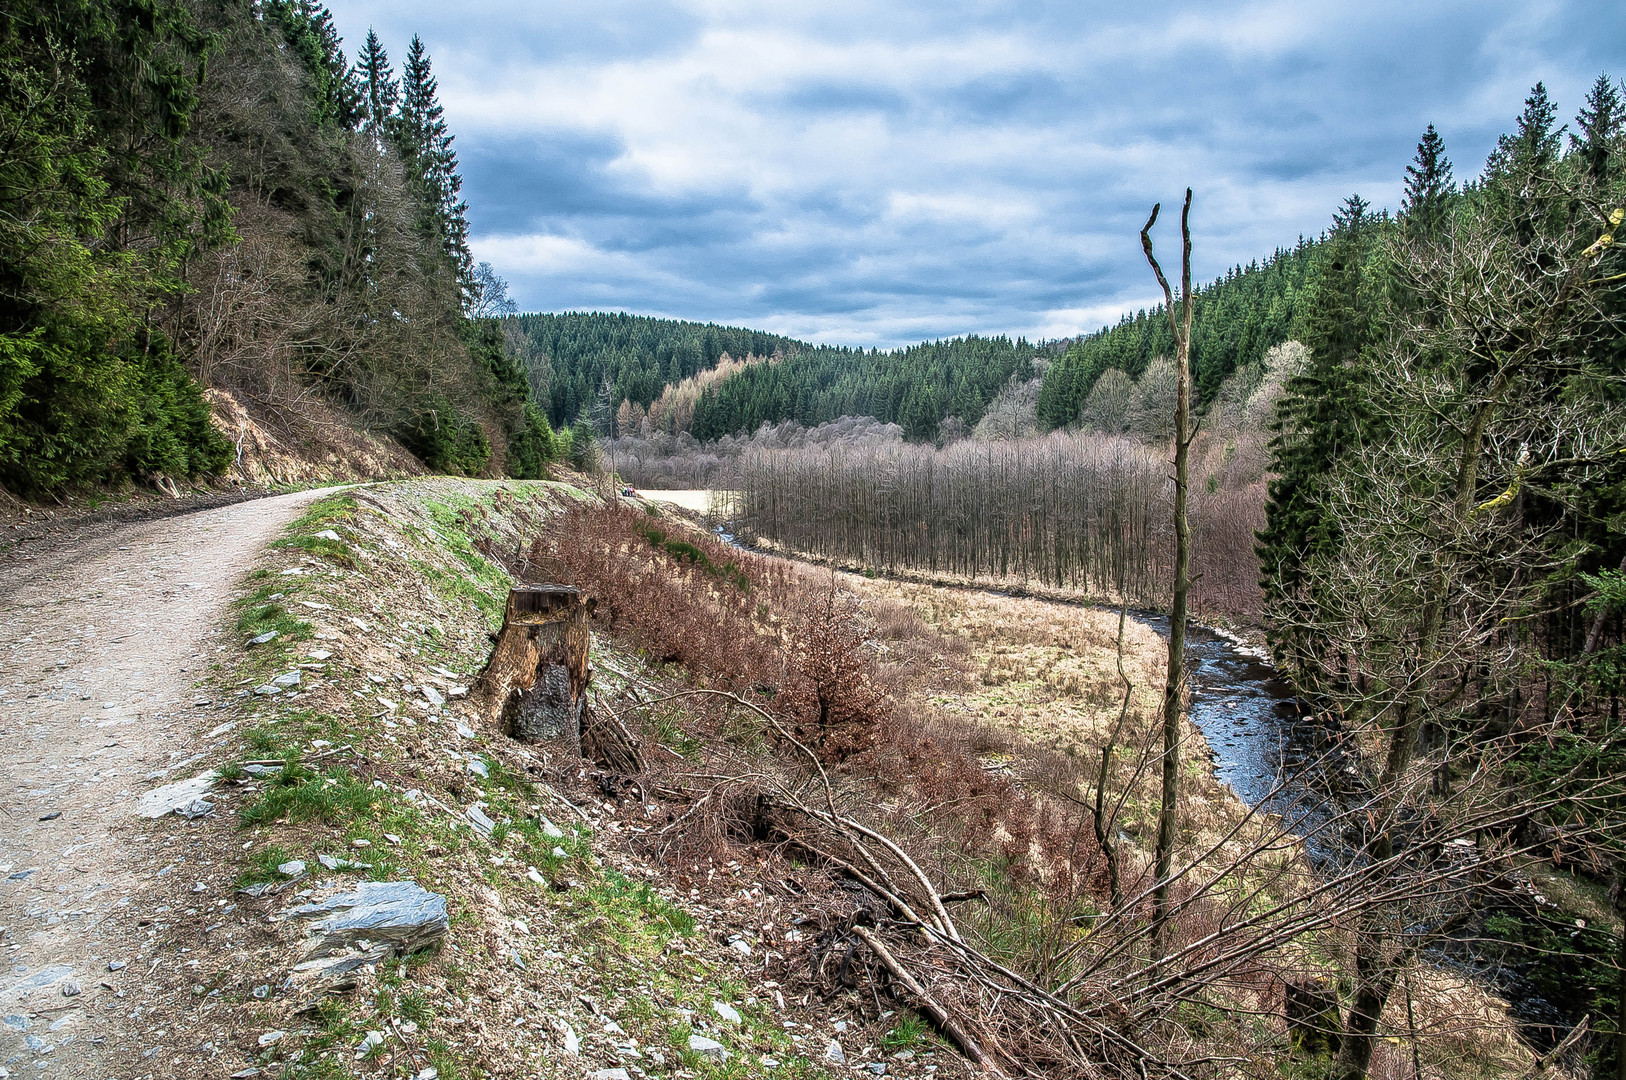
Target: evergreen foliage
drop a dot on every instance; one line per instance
(1238, 319)
(919, 388)
(273, 222)
(89, 388)
(425, 144)
(579, 351)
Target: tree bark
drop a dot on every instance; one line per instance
(1175, 682)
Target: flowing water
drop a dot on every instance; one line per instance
(1549, 967)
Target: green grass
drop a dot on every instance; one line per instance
(258, 613)
(335, 551)
(908, 1033)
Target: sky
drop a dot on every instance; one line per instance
(883, 173)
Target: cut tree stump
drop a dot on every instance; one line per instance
(534, 687)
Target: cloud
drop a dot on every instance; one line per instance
(878, 174)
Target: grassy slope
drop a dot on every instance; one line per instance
(600, 938)
(583, 937)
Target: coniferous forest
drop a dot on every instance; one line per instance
(211, 194)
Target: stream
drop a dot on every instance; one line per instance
(1537, 956)
(1550, 968)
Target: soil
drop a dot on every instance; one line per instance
(107, 625)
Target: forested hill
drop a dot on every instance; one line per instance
(589, 363)
(585, 360)
(919, 388)
(1236, 320)
(212, 196)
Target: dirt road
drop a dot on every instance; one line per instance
(102, 640)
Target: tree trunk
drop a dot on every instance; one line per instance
(534, 686)
(1175, 683)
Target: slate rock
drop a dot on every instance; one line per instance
(708, 1048)
(264, 639)
(834, 1054)
(287, 679)
(176, 797)
(726, 1011)
(291, 868)
(480, 820)
(398, 914)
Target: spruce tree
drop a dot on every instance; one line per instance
(380, 90)
(1535, 144)
(426, 146)
(1322, 415)
(1429, 185)
(1600, 122)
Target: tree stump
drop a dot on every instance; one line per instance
(534, 686)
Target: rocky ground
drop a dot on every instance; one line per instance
(108, 634)
(287, 678)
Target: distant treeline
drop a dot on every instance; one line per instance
(587, 361)
(586, 364)
(1238, 318)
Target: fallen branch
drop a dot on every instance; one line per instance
(939, 1015)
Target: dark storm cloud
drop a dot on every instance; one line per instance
(880, 173)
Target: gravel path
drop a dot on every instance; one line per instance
(102, 638)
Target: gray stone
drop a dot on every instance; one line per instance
(261, 992)
(610, 1074)
(176, 797)
(265, 638)
(708, 1048)
(835, 1054)
(195, 809)
(291, 868)
(395, 913)
(16, 1022)
(726, 1011)
(329, 534)
(116, 965)
(287, 680)
(479, 819)
(741, 947)
(433, 696)
(478, 768)
(261, 772)
(71, 989)
(271, 1037)
(267, 690)
(333, 863)
(465, 731)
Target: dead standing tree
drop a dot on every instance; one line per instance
(1175, 684)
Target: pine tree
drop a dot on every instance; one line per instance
(425, 144)
(1600, 121)
(1429, 185)
(380, 90)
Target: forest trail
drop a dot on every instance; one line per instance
(102, 639)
